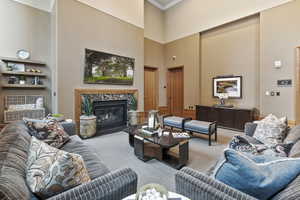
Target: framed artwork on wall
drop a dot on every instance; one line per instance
(105, 68)
(231, 85)
(16, 67)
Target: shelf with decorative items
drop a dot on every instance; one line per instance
(17, 60)
(23, 86)
(21, 73)
(8, 73)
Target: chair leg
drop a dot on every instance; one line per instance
(209, 139)
(216, 135)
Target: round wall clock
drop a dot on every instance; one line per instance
(23, 54)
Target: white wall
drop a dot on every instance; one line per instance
(131, 11)
(194, 16)
(154, 23)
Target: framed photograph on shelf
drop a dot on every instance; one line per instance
(231, 85)
(16, 67)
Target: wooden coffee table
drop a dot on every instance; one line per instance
(167, 149)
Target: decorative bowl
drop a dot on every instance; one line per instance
(152, 191)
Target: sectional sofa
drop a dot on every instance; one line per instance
(105, 185)
(201, 186)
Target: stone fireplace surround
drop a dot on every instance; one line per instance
(104, 95)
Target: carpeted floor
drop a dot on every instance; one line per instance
(115, 151)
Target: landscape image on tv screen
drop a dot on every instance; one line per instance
(105, 68)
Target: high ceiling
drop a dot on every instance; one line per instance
(45, 5)
(164, 4)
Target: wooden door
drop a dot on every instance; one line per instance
(175, 91)
(150, 89)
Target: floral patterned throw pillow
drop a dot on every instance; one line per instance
(271, 130)
(50, 132)
(51, 171)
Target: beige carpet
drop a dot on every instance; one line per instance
(116, 153)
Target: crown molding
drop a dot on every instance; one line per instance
(52, 5)
(172, 4)
(45, 5)
(164, 7)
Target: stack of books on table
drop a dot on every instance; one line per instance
(181, 135)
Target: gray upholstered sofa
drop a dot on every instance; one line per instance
(200, 186)
(105, 185)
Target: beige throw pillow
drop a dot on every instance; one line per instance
(51, 171)
(271, 130)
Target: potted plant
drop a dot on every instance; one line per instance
(87, 120)
(22, 80)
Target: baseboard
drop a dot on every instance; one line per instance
(163, 110)
(189, 114)
(292, 123)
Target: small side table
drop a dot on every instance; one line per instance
(172, 196)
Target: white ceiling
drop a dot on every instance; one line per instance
(164, 4)
(45, 5)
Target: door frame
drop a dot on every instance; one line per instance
(297, 85)
(157, 83)
(168, 88)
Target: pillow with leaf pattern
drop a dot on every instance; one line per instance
(51, 171)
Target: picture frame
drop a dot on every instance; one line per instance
(16, 67)
(108, 69)
(231, 85)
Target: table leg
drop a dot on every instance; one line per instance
(184, 153)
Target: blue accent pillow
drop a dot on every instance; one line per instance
(255, 177)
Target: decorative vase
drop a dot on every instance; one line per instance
(87, 126)
(39, 104)
(153, 119)
(133, 117)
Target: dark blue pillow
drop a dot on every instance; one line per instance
(255, 177)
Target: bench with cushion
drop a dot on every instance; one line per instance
(193, 126)
(174, 122)
(207, 128)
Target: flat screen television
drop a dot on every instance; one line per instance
(106, 68)
(231, 85)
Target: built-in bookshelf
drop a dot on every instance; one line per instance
(28, 64)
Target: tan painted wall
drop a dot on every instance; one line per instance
(194, 16)
(94, 30)
(54, 57)
(154, 57)
(232, 49)
(129, 11)
(280, 35)
(154, 23)
(187, 51)
(28, 28)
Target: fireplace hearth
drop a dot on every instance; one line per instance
(111, 115)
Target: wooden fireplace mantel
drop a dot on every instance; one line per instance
(81, 91)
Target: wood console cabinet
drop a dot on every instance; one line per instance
(231, 118)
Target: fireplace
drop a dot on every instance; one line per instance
(111, 115)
